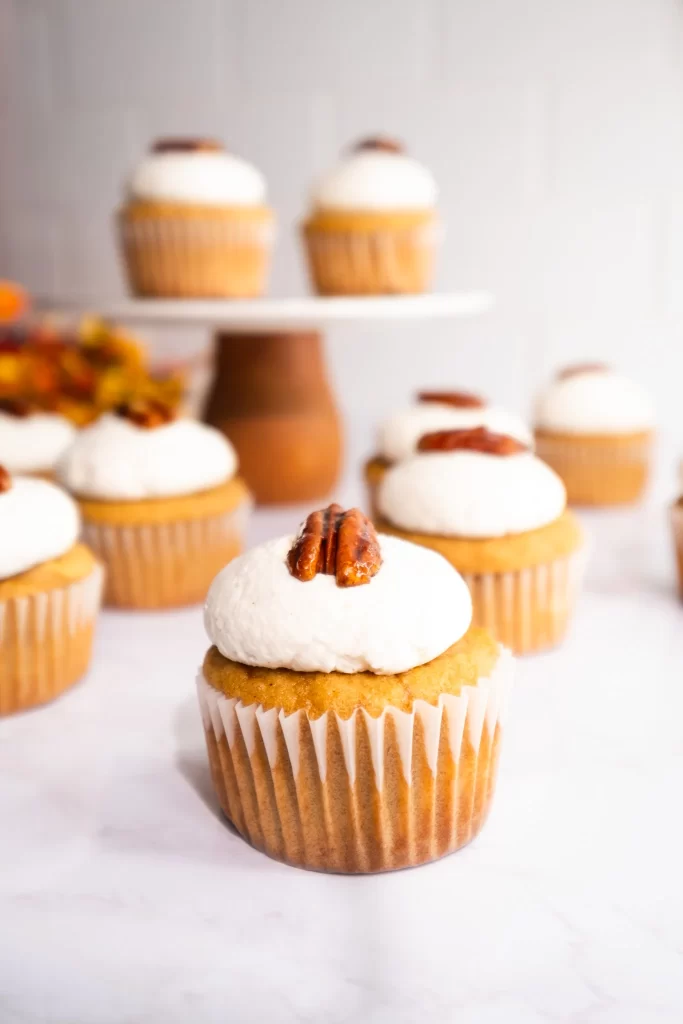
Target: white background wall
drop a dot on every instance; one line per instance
(555, 128)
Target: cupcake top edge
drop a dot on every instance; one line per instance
(593, 399)
(472, 493)
(33, 441)
(38, 521)
(398, 436)
(411, 607)
(123, 457)
(376, 178)
(187, 171)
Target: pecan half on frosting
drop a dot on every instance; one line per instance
(145, 412)
(20, 407)
(384, 143)
(578, 368)
(5, 480)
(458, 399)
(336, 543)
(187, 146)
(478, 439)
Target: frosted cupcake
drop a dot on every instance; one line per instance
(372, 229)
(160, 501)
(195, 223)
(32, 441)
(398, 436)
(498, 514)
(353, 719)
(50, 590)
(596, 429)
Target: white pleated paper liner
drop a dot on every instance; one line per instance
(161, 565)
(677, 527)
(45, 641)
(529, 609)
(196, 256)
(358, 794)
(379, 261)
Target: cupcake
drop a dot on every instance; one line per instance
(595, 428)
(372, 229)
(498, 514)
(195, 223)
(677, 526)
(160, 502)
(50, 590)
(32, 441)
(353, 718)
(435, 410)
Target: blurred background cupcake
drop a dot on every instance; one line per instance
(50, 591)
(195, 223)
(372, 229)
(398, 436)
(498, 514)
(595, 427)
(161, 503)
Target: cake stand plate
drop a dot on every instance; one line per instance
(309, 312)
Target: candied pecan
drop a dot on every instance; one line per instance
(384, 143)
(19, 407)
(145, 412)
(458, 399)
(478, 439)
(336, 543)
(578, 368)
(187, 146)
(5, 480)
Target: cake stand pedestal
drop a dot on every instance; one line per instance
(272, 399)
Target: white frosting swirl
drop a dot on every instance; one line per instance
(117, 460)
(375, 180)
(214, 178)
(597, 402)
(34, 443)
(471, 494)
(398, 436)
(38, 521)
(416, 606)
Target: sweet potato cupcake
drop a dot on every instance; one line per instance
(596, 429)
(32, 441)
(353, 718)
(498, 514)
(372, 229)
(196, 224)
(50, 591)
(434, 410)
(160, 502)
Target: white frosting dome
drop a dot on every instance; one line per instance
(599, 402)
(414, 609)
(198, 177)
(117, 460)
(34, 443)
(471, 494)
(375, 180)
(398, 436)
(38, 521)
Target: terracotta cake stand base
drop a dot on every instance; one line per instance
(272, 399)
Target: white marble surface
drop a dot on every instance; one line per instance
(125, 899)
